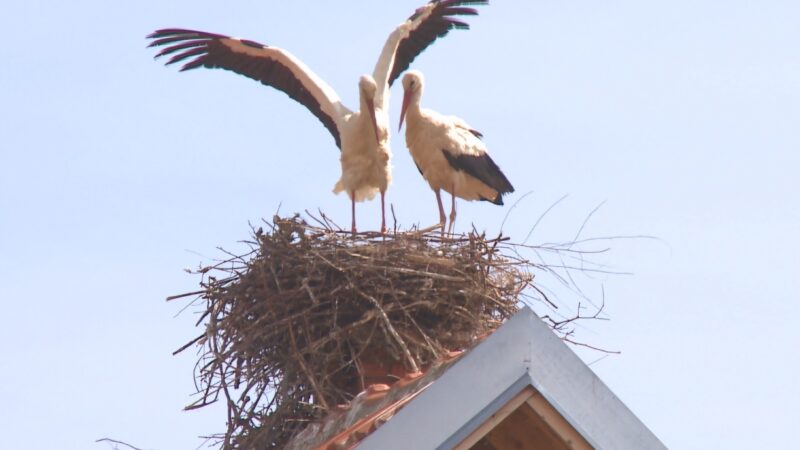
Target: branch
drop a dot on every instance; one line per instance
(114, 443)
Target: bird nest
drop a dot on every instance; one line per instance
(290, 325)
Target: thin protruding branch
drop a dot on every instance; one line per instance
(114, 443)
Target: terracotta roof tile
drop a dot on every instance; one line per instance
(347, 425)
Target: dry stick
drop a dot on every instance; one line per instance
(251, 412)
(303, 366)
(175, 297)
(314, 346)
(202, 401)
(581, 344)
(431, 275)
(223, 383)
(394, 217)
(196, 405)
(189, 344)
(426, 230)
(113, 441)
(314, 218)
(414, 322)
(310, 293)
(392, 331)
(428, 340)
(202, 316)
(544, 296)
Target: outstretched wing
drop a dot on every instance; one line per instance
(271, 66)
(413, 36)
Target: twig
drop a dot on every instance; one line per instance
(116, 442)
(309, 374)
(395, 335)
(581, 344)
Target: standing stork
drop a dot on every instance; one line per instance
(362, 136)
(448, 153)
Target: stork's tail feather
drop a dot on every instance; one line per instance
(498, 199)
(483, 168)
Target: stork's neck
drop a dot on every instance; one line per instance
(414, 106)
(363, 104)
(365, 114)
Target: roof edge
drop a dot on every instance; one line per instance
(524, 351)
(523, 382)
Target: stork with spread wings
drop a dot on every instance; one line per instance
(362, 135)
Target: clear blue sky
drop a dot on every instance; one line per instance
(116, 173)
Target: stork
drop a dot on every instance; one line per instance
(362, 136)
(448, 153)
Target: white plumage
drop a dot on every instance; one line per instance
(363, 135)
(365, 159)
(449, 154)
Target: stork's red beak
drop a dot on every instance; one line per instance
(406, 101)
(371, 108)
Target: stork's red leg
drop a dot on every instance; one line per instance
(452, 227)
(442, 217)
(383, 213)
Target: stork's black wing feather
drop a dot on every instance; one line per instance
(269, 65)
(483, 168)
(432, 23)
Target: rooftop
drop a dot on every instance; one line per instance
(521, 387)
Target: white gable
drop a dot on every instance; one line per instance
(522, 353)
